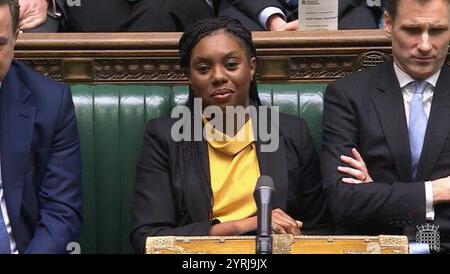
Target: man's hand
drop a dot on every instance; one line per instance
(441, 190)
(32, 13)
(357, 170)
(277, 23)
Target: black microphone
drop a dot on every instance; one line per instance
(263, 194)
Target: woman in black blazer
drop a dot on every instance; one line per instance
(173, 189)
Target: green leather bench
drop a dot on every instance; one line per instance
(111, 121)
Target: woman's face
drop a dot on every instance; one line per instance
(220, 71)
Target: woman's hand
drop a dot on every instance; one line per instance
(284, 224)
(357, 170)
(281, 224)
(233, 228)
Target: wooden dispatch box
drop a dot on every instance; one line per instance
(282, 244)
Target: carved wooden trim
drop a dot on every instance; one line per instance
(153, 57)
(323, 67)
(49, 67)
(145, 69)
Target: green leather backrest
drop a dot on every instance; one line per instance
(111, 120)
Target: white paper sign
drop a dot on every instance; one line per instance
(318, 15)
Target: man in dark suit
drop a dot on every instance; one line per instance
(40, 188)
(274, 14)
(73, 15)
(166, 15)
(386, 146)
(132, 15)
(112, 15)
(95, 15)
(256, 15)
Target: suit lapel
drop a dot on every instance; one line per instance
(16, 127)
(388, 102)
(438, 126)
(273, 163)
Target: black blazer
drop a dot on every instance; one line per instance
(159, 180)
(366, 111)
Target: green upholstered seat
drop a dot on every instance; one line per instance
(111, 120)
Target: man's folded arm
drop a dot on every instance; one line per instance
(361, 204)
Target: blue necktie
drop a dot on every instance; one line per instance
(417, 124)
(5, 248)
(381, 21)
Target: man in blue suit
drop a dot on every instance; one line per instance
(40, 188)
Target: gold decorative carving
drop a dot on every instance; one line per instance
(392, 240)
(320, 67)
(282, 243)
(48, 67)
(148, 69)
(369, 59)
(399, 244)
(153, 57)
(155, 245)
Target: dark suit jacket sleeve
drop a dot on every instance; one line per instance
(60, 192)
(154, 208)
(355, 14)
(252, 7)
(363, 204)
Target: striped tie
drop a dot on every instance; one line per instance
(5, 248)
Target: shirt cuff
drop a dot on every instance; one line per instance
(429, 209)
(264, 15)
(53, 10)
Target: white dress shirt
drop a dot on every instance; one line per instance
(264, 15)
(12, 242)
(210, 3)
(408, 91)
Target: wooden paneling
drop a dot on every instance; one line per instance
(152, 57)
